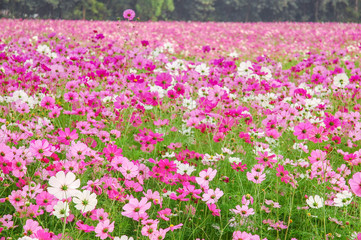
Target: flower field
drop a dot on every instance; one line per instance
(179, 130)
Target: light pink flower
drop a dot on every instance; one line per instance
(212, 196)
(355, 184)
(129, 170)
(206, 176)
(40, 148)
(244, 211)
(103, 229)
(31, 227)
(134, 209)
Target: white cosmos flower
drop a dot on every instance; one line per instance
(343, 199)
(244, 68)
(63, 186)
(341, 80)
(124, 237)
(183, 168)
(202, 69)
(315, 202)
(85, 201)
(234, 160)
(189, 103)
(27, 238)
(61, 209)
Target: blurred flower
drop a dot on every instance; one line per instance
(355, 184)
(61, 209)
(343, 199)
(129, 14)
(315, 202)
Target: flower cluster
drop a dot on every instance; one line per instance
(125, 130)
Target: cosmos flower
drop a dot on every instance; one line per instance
(63, 186)
(129, 14)
(103, 229)
(355, 184)
(315, 201)
(85, 201)
(61, 209)
(343, 198)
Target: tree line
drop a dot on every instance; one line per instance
(187, 10)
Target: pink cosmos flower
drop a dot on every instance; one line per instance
(99, 215)
(19, 168)
(66, 136)
(40, 148)
(318, 135)
(317, 156)
(31, 227)
(256, 177)
(47, 102)
(41, 234)
(117, 162)
(46, 200)
(134, 208)
(133, 186)
(17, 198)
(172, 227)
(244, 211)
(129, 14)
(164, 213)
(78, 150)
(84, 227)
(149, 228)
(103, 229)
(265, 159)
(239, 166)
(154, 196)
(55, 112)
(206, 176)
(213, 208)
(129, 170)
(110, 151)
(212, 196)
(332, 123)
(6, 221)
(72, 97)
(238, 235)
(247, 199)
(163, 80)
(121, 102)
(282, 173)
(22, 108)
(302, 130)
(192, 191)
(158, 234)
(355, 184)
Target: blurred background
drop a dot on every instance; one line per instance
(187, 10)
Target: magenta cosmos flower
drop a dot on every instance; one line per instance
(129, 14)
(355, 184)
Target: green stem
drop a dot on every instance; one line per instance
(64, 224)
